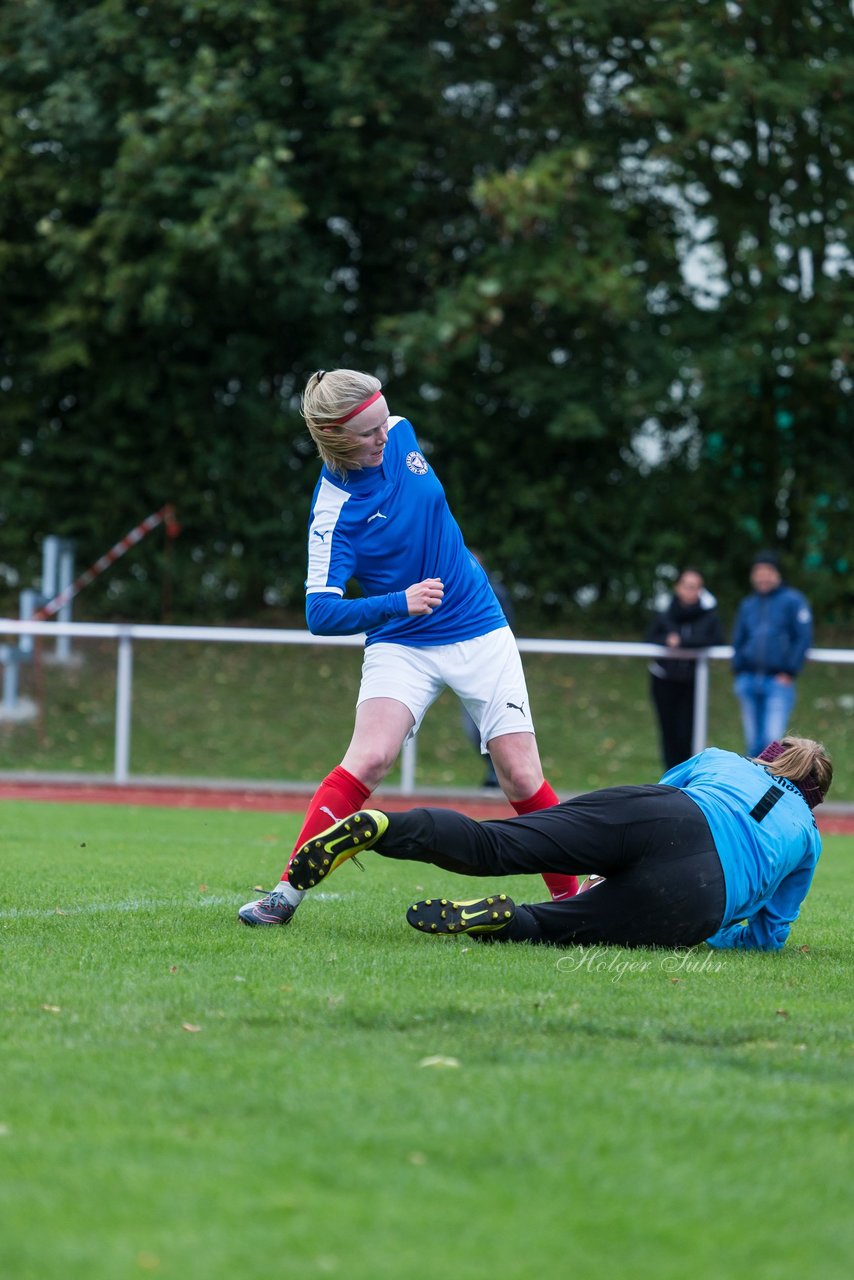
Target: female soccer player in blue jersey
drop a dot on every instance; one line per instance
(722, 850)
(379, 515)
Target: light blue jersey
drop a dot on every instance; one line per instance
(389, 527)
(766, 838)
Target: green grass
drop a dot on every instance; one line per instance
(612, 1113)
(247, 711)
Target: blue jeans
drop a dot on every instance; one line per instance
(766, 705)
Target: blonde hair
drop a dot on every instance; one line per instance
(800, 758)
(328, 397)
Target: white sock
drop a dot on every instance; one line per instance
(287, 891)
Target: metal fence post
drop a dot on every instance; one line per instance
(29, 602)
(65, 580)
(407, 767)
(124, 701)
(50, 561)
(9, 657)
(701, 704)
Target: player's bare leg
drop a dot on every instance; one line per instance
(379, 731)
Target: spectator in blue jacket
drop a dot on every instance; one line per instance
(773, 631)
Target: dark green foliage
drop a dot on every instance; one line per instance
(493, 207)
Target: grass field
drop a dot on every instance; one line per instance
(183, 1097)
(246, 711)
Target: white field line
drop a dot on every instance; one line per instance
(139, 904)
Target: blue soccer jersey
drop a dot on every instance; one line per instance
(389, 527)
(766, 838)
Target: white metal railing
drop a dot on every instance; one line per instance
(126, 633)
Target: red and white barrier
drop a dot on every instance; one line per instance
(165, 516)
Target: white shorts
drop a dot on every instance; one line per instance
(485, 673)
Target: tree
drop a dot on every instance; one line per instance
(653, 323)
(499, 207)
(200, 203)
(752, 117)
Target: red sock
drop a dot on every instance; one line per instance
(339, 794)
(560, 887)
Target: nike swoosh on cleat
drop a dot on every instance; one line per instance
(472, 915)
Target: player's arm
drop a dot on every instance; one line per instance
(331, 565)
(328, 613)
(769, 928)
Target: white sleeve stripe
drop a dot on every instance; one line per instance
(327, 509)
(323, 591)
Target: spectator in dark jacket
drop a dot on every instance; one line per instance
(690, 621)
(773, 631)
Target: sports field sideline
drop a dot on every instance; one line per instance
(173, 794)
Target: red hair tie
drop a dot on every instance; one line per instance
(808, 786)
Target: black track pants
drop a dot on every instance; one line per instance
(674, 705)
(664, 885)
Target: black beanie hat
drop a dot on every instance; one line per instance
(766, 557)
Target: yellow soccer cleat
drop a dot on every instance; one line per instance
(482, 917)
(323, 853)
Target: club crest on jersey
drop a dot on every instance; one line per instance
(416, 463)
